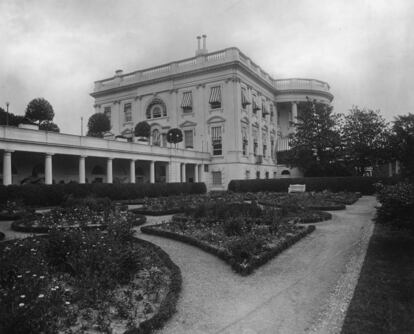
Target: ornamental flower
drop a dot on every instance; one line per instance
(23, 296)
(41, 295)
(21, 304)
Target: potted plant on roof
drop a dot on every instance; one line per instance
(142, 132)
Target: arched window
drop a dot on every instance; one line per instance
(156, 109)
(156, 137)
(285, 172)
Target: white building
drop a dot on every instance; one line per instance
(234, 117)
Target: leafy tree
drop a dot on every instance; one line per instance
(174, 136)
(364, 135)
(39, 110)
(98, 124)
(49, 126)
(11, 119)
(142, 129)
(402, 143)
(316, 143)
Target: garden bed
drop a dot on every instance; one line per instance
(72, 218)
(244, 235)
(92, 281)
(243, 268)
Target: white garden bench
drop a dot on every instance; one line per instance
(297, 188)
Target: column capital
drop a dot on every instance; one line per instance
(8, 151)
(49, 154)
(83, 156)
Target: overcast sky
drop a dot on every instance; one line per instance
(57, 49)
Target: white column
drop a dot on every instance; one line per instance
(201, 173)
(48, 169)
(152, 171)
(196, 173)
(109, 176)
(7, 168)
(82, 169)
(397, 167)
(132, 171)
(294, 112)
(183, 178)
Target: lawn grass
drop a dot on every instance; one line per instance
(383, 301)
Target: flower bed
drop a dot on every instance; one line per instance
(12, 210)
(243, 235)
(75, 217)
(92, 281)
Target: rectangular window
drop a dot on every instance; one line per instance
(187, 102)
(215, 97)
(216, 140)
(216, 178)
(255, 145)
(247, 174)
(164, 139)
(274, 175)
(258, 175)
(107, 112)
(267, 175)
(188, 138)
(264, 150)
(128, 112)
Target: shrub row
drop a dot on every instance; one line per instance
(2, 236)
(362, 184)
(169, 304)
(226, 256)
(397, 205)
(56, 194)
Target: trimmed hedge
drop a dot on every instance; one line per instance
(56, 194)
(223, 254)
(362, 184)
(139, 211)
(2, 236)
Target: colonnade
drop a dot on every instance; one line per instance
(176, 169)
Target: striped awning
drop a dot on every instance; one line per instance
(255, 105)
(264, 109)
(187, 102)
(245, 101)
(215, 95)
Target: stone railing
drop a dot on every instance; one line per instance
(201, 61)
(299, 83)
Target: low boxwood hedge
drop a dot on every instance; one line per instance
(362, 184)
(56, 194)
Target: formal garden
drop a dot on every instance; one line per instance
(82, 268)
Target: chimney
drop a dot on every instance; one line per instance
(201, 51)
(118, 73)
(204, 43)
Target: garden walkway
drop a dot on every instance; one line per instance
(306, 289)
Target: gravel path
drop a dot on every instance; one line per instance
(306, 289)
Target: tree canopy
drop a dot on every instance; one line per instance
(39, 110)
(98, 124)
(174, 136)
(402, 143)
(142, 129)
(365, 139)
(316, 143)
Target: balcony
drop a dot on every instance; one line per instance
(299, 85)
